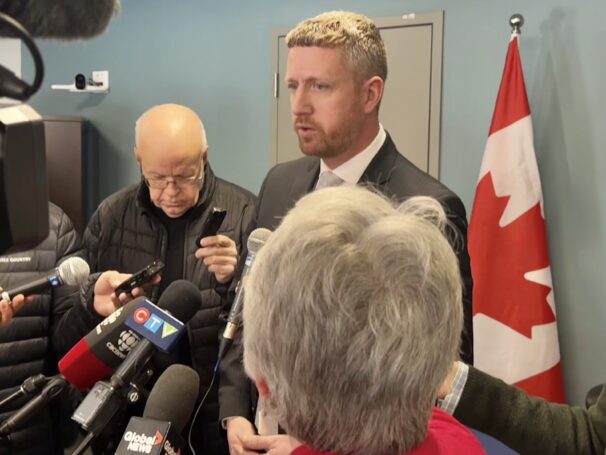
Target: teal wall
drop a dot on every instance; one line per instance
(216, 57)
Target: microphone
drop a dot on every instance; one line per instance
(61, 18)
(72, 272)
(256, 240)
(100, 352)
(182, 299)
(167, 411)
(52, 389)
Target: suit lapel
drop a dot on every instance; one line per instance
(382, 165)
(305, 180)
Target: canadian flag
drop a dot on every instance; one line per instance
(514, 315)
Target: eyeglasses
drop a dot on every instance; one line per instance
(160, 183)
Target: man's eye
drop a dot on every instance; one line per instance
(291, 86)
(320, 86)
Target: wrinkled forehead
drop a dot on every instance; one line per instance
(170, 163)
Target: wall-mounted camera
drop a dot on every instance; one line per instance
(97, 83)
(80, 81)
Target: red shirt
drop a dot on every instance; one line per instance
(445, 436)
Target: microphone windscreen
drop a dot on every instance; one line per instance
(181, 299)
(61, 18)
(257, 239)
(74, 271)
(173, 397)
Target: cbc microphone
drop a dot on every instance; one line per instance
(72, 272)
(256, 240)
(101, 351)
(106, 347)
(158, 330)
(167, 411)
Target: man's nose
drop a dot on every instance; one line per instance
(300, 102)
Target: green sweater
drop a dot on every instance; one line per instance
(531, 425)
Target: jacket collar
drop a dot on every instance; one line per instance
(380, 168)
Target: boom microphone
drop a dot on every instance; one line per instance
(72, 272)
(167, 411)
(256, 240)
(61, 18)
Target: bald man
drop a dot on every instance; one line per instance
(161, 217)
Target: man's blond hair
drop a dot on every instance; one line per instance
(355, 33)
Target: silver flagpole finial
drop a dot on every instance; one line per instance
(516, 21)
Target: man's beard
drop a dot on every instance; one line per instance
(329, 146)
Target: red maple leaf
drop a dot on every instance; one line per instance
(500, 256)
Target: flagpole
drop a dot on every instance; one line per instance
(516, 21)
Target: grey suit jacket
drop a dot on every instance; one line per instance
(394, 176)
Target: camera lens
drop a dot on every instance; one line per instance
(80, 81)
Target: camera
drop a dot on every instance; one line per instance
(80, 81)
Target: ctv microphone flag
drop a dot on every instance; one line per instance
(156, 325)
(514, 316)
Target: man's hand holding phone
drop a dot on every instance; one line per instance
(218, 252)
(114, 289)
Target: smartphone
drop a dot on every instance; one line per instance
(140, 278)
(212, 224)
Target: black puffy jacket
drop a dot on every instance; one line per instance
(125, 235)
(40, 333)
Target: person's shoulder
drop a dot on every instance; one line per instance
(236, 191)
(305, 162)
(58, 217)
(291, 169)
(119, 200)
(449, 436)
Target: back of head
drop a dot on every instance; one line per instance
(353, 318)
(356, 34)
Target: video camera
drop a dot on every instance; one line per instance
(23, 180)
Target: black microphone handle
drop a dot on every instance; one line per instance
(34, 287)
(29, 387)
(133, 363)
(54, 387)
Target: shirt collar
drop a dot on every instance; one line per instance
(351, 171)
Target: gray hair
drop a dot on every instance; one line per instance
(356, 34)
(353, 317)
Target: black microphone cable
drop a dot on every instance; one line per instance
(10, 85)
(193, 421)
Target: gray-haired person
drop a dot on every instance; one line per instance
(352, 320)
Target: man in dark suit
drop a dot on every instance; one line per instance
(336, 72)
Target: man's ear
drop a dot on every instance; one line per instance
(373, 92)
(205, 156)
(137, 156)
(262, 387)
